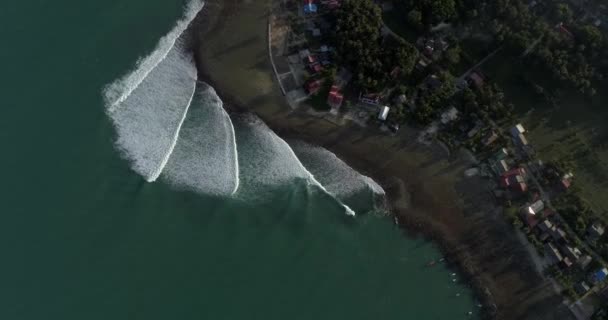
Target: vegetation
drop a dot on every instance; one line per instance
(363, 49)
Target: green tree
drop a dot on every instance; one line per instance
(452, 55)
(414, 18)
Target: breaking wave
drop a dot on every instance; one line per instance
(351, 187)
(168, 123)
(267, 161)
(205, 158)
(117, 92)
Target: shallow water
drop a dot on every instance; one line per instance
(84, 236)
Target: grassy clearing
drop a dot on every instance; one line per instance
(573, 128)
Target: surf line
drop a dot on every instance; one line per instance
(165, 159)
(237, 180)
(143, 69)
(315, 182)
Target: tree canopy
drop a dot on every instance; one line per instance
(362, 47)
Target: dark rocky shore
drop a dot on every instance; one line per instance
(426, 189)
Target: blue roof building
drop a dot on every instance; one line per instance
(310, 8)
(599, 275)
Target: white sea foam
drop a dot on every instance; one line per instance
(337, 176)
(340, 180)
(205, 159)
(118, 91)
(148, 121)
(267, 160)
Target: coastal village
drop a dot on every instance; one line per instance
(429, 74)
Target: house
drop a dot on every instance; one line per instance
(335, 98)
(552, 253)
(400, 99)
(535, 207)
(545, 226)
(501, 167)
(370, 98)
(581, 288)
(315, 68)
(563, 30)
(598, 276)
(521, 140)
(313, 86)
(595, 231)
(571, 252)
(584, 262)
(432, 82)
(517, 130)
(566, 181)
(449, 115)
(532, 220)
(310, 7)
(475, 130)
(383, 115)
(558, 234)
(490, 138)
(476, 79)
(422, 63)
(501, 154)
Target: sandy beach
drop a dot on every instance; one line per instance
(426, 188)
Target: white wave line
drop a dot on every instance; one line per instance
(236, 154)
(236, 158)
(312, 178)
(179, 29)
(162, 165)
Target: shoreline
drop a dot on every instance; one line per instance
(424, 188)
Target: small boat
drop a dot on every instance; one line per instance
(431, 263)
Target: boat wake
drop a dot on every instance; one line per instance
(171, 125)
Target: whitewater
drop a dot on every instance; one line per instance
(170, 124)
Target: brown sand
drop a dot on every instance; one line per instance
(426, 189)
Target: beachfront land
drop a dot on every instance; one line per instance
(519, 85)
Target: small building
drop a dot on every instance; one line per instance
(571, 252)
(501, 167)
(490, 138)
(584, 262)
(449, 115)
(310, 7)
(501, 154)
(598, 276)
(581, 288)
(517, 130)
(313, 87)
(304, 54)
(400, 99)
(474, 131)
(477, 79)
(552, 253)
(370, 98)
(535, 207)
(595, 231)
(383, 115)
(532, 220)
(335, 98)
(558, 234)
(521, 140)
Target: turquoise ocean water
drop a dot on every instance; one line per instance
(83, 235)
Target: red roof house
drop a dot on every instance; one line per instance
(335, 98)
